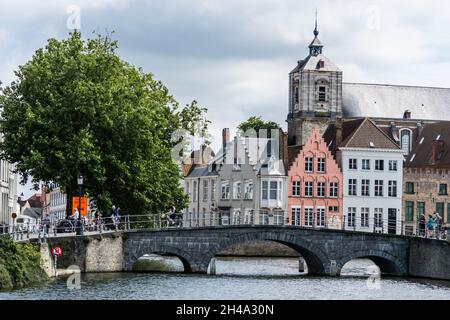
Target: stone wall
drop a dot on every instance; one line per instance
(99, 253)
(259, 249)
(429, 259)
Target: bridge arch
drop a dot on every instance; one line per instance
(388, 263)
(316, 260)
(185, 257)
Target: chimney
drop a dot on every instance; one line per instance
(225, 139)
(407, 114)
(285, 152)
(419, 129)
(338, 141)
(437, 149)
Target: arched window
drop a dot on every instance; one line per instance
(405, 141)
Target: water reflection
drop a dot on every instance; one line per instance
(237, 278)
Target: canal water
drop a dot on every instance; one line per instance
(241, 278)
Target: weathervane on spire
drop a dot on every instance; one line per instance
(316, 32)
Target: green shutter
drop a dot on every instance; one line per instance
(448, 212)
(409, 210)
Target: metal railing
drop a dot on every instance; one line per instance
(42, 231)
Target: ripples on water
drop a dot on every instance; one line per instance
(238, 278)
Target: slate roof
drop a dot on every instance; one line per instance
(202, 171)
(293, 151)
(381, 100)
(311, 63)
(421, 155)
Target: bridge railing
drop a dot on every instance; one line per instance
(357, 223)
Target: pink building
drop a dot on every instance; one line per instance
(315, 185)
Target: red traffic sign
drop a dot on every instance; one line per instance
(57, 251)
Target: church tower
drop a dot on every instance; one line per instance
(315, 94)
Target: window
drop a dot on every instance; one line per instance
(392, 188)
(309, 213)
(365, 164)
(379, 165)
(405, 141)
(236, 216)
(263, 217)
(273, 190)
(443, 189)
(378, 188)
(378, 215)
(409, 216)
(333, 209)
(321, 189)
(308, 164)
(248, 216)
(392, 165)
(321, 165)
(205, 190)
(237, 186)
(278, 217)
(365, 217)
(296, 213)
(248, 189)
(265, 190)
(296, 188)
(440, 209)
(351, 217)
(448, 212)
(365, 188)
(308, 189)
(225, 190)
(322, 93)
(420, 209)
(352, 187)
(195, 192)
(334, 189)
(321, 217)
(353, 164)
(213, 190)
(409, 188)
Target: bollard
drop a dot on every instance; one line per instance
(212, 267)
(301, 264)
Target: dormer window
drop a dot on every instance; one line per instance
(405, 141)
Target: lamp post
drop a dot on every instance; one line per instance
(80, 225)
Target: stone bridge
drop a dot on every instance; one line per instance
(325, 251)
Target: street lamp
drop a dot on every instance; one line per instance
(80, 225)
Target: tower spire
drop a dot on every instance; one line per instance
(316, 32)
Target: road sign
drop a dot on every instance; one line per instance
(56, 252)
(83, 206)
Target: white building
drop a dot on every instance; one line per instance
(8, 199)
(58, 202)
(372, 166)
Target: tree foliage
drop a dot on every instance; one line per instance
(256, 123)
(77, 108)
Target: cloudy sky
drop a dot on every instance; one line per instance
(234, 56)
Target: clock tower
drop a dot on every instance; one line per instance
(315, 94)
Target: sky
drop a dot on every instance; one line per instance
(234, 56)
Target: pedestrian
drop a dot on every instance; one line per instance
(115, 216)
(438, 220)
(430, 226)
(422, 221)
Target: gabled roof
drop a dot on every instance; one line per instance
(202, 171)
(368, 135)
(435, 135)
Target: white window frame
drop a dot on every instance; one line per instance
(309, 186)
(309, 164)
(296, 188)
(296, 215)
(321, 165)
(225, 186)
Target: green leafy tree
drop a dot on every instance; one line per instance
(76, 108)
(256, 123)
